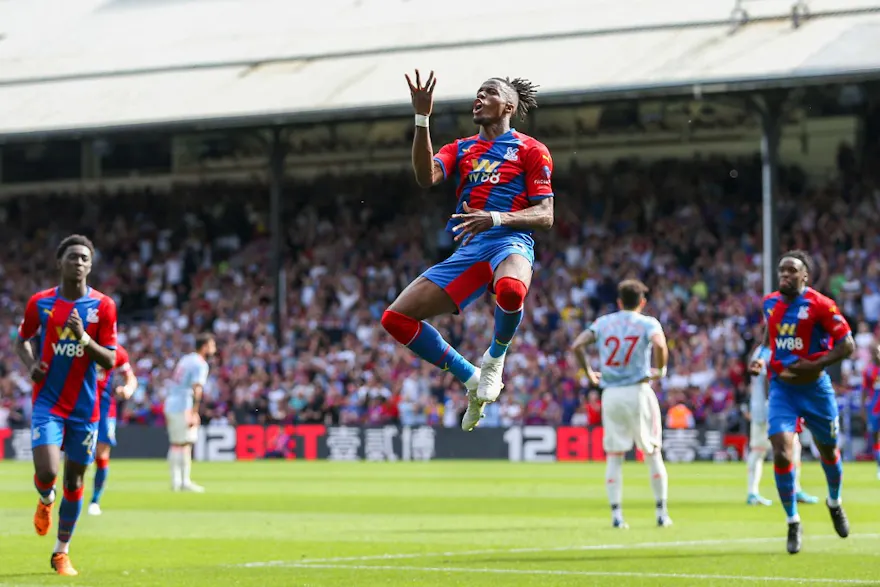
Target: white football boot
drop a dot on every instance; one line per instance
(491, 370)
(474, 412)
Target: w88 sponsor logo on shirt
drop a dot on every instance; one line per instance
(68, 345)
(484, 171)
(789, 343)
(786, 341)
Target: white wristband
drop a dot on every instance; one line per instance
(496, 218)
(86, 340)
(422, 120)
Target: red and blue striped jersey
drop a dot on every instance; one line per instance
(70, 388)
(105, 394)
(807, 328)
(871, 389)
(507, 174)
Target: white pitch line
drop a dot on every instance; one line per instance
(580, 548)
(31, 585)
(587, 574)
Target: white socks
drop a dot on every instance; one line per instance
(474, 381)
(186, 465)
(659, 480)
(48, 500)
(755, 465)
(614, 485)
(61, 547)
(175, 463)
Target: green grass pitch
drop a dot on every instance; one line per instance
(441, 523)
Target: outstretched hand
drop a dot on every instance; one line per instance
(422, 96)
(473, 222)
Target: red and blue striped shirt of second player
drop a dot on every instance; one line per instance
(507, 174)
(871, 388)
(807, 328)
(105, 394)
(70, 388)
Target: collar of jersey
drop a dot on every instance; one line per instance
(485, 140)
(61, 297)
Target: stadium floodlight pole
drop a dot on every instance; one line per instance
(769, 108)
(277, 155)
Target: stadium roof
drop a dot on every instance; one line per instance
(76, 66)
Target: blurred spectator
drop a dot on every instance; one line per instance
(197, 259)
(679, 417)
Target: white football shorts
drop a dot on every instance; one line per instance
(759, 438)
(631, 414)
(179, 430)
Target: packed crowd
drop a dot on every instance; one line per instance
(197, 259)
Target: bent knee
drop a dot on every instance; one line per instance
(72, 482)
(103, 451)
(401, 327)
(510, 294)
(782, 456)
(45, 475)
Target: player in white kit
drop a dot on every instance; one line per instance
(182, 411)
(630, 412)
(759, 441)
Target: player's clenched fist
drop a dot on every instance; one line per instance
(422, 96)
(38, 371)
(75, 324)
(756, 366)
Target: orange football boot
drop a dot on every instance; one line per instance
(43, 518)
(62, 565)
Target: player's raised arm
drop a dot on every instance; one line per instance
(428, 171)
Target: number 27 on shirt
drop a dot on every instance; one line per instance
(613, 343)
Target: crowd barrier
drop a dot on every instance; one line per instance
(395, 443)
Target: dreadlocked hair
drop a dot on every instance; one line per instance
(801, 256)
(526, 93)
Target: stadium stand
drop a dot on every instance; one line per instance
(688, 228)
